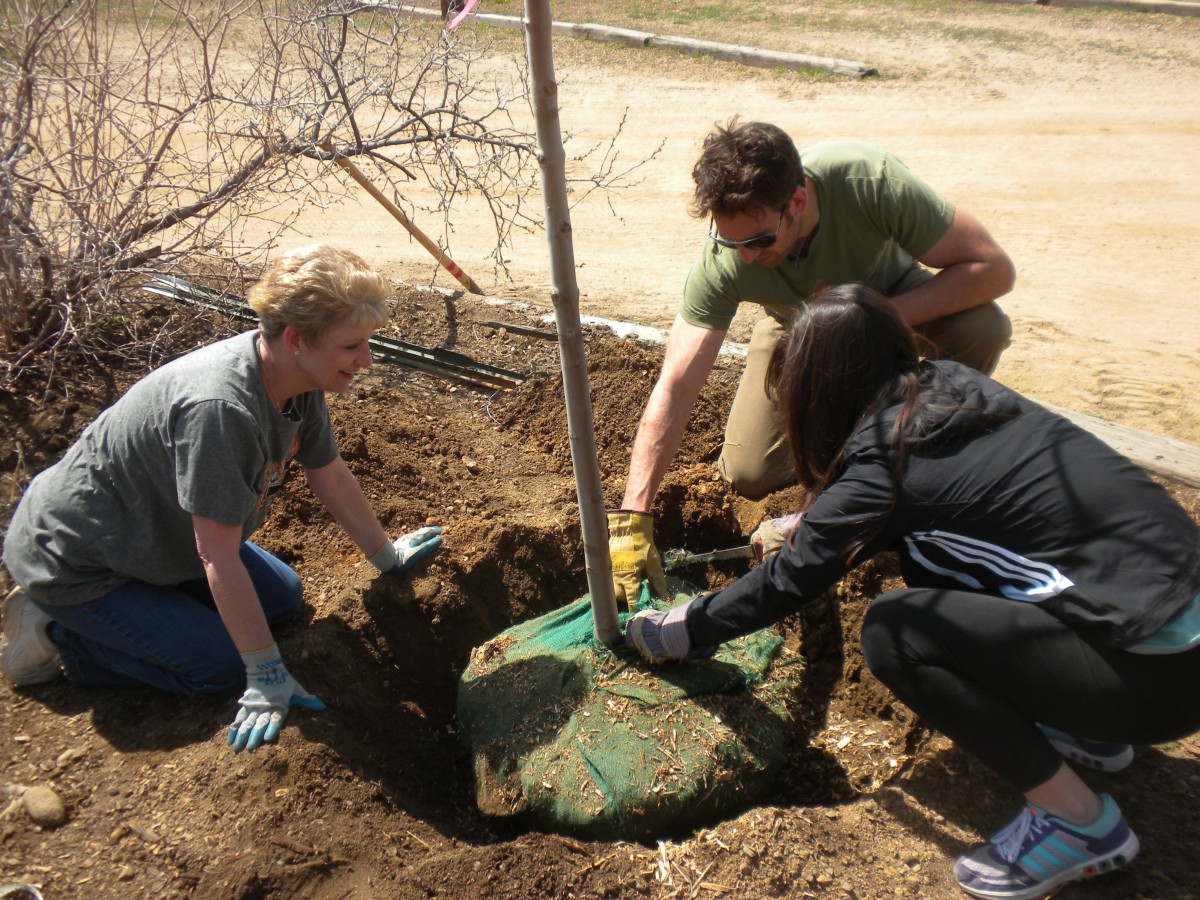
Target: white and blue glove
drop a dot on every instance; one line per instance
(270, 692)
(407, 550)
(660, 635)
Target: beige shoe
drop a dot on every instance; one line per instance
(771, 534)
(27, 655)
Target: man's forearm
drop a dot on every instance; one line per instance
(688, 358)
(972, 269)
(956, 288)
(658, 438)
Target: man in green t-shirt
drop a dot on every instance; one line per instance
(783, 226)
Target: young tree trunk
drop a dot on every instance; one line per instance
(565, 293)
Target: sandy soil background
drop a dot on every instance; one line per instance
(1073, 134)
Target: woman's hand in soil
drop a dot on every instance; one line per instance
(407, 550)
(771, 534)
(270, 692)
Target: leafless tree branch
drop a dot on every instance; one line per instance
(149, 132)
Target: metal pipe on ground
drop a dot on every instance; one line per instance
(442, 363)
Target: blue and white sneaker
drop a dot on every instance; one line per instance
(1094, 754)
(1037, 853)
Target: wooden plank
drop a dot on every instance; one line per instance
(766, 59)
(603, 34)
(1168, 7)
(1172, 459)
(746, 56)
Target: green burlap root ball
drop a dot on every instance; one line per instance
(596, 745)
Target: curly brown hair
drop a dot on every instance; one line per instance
(743, 167)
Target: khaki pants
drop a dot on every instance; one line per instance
(756, 458)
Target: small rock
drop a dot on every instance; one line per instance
(69, 756)
(144, 832)
(44, 807)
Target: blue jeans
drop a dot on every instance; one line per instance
(168, 636)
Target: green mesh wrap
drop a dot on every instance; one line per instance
(594, 744)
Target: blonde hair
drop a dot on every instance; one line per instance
(316, 287)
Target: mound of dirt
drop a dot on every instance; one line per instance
(587, 741)
(374, 797)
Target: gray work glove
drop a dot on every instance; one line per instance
(407, 550)
(660, 635)
(270, 692)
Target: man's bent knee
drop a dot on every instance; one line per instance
(975, 337)
(752, 475)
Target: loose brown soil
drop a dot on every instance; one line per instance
(1042, 121)
(374, 797)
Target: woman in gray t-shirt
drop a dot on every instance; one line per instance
(132, 554)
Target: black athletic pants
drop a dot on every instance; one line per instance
(984, 670)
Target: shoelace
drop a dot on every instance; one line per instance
(1010, 840)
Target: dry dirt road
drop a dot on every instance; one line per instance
(1073, 134)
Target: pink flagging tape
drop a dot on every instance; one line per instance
(462, 14)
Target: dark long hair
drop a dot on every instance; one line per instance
(847, 356)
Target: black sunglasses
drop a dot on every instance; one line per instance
(758, 242)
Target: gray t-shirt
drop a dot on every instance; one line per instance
(197, 437)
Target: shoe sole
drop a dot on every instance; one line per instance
(1101, 763)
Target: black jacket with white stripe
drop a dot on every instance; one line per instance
(1002, 497)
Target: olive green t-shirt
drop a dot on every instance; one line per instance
(877, 218)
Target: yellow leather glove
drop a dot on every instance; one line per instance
(634, 556)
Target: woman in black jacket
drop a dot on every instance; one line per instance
(1053, 599)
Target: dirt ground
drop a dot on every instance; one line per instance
(1071, 133)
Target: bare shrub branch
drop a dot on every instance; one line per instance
(138, 134)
